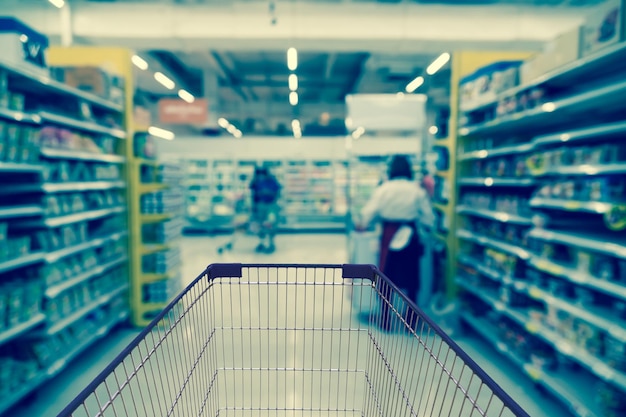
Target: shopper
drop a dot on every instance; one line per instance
(400, 204)
(265, 192)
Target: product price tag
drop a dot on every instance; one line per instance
(615, 219)
(532, 327)
(534, 373)
(572, 205)
(535, 292)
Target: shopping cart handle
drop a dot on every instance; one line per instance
(214, 271)
(359, 271)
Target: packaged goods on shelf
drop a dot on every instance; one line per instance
(20, 298)
(161, 291)
(92, 80)
(604, 27)
(164, 232)
(161, 262)
(161, 202)
(66, 139)
(562, 50)
(486, 83)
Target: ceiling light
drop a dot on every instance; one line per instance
(400, 95)
(295, 124)
(58, 3)
(292, 59)
(415, 84)
(297, 134)
(231, 129)
(223, 123)
(139, 62)
(293, 98)
(23, 38)
(293, 82)
(433, 130)
(358, 132)
(186, 95)
(438, 63)
(164, 80)
(237, 134)
(161, 133)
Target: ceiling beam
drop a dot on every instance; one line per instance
(229, 78)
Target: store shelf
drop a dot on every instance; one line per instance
(610, 130)
(567, 74)
(585, 170)
(9, 167)
(553, 113)
(20, 211)
(605, 243)
(151, 188)
(56, 289)
(85, 126)
(60, 363)
(503, 150)
(17, 330)
(495, 215)
(572, 205)
(562, 388)
(590, 314)
(147, 249)
(22, 261)
(82, 186)
(54, 153)
(61, 324)
(147, 277)
(43, 84)
(493, 243)
(45, 375)
(83, 216)
(54, 256)
(24, 389)
(579, 277)
(497, 182)
(156, 218)
(19, 116)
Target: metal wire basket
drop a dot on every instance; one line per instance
(288, 340)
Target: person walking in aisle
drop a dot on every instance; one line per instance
(400, 204)
(265, 192)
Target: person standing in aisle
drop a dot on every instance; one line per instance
(400, 204)
(265, 192)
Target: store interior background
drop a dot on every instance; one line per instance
(210, 89)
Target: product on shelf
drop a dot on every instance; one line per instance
(67, 139)
(487, 82)
(20, 298)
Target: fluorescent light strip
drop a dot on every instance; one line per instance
(164, 80)
(186, 95)
(293, 82)
(57, 3)
(358, 132)
(415, 84)
(231, 129)
(161, 133)
(438, 63)
(237, 134)
(139, 62)
(292, 59)
(223, 123)
(293, 98)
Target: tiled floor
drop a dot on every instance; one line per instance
(255, 338)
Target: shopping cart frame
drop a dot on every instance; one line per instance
(349, 271)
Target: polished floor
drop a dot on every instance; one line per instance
(275, 362)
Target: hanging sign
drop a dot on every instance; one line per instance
(179, 112)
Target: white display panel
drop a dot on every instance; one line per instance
(386, 112)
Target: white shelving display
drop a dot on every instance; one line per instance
(63, 247)
(313, 193)
(542, 230)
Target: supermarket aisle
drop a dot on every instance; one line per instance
(197, 253)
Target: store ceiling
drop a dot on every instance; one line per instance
(345, 46)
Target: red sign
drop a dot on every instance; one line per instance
(179, 112)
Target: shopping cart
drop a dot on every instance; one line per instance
(240, 221)
(283, 340)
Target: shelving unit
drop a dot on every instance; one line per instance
(550, 256)
(63, 230)
(312, 196)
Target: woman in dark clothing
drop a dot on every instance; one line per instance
(399, 205)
